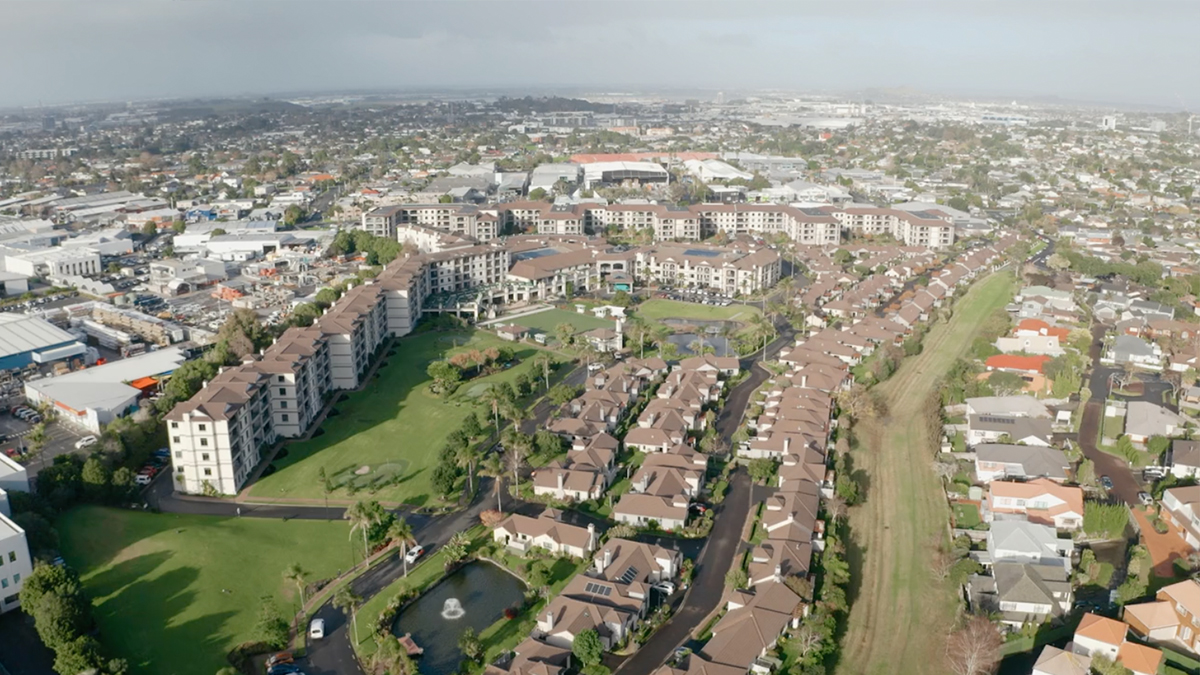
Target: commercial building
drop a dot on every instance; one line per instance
(28, 339)
(91, 398)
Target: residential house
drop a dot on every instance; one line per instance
(532, 657)
(1135, 351)
(1041, 500)
(1144, 419)
(1185, 458)
(1044, 345)
(1171, 619)
(1181, 507)
(629, 561)
(994, 428)
(643, 510)
(1010, 406)
(522, 534)
(1022, 592)
(1099, 635)
(994, 461)
(1027, 542)
(751, 626)
(566, 617)
(1055, 661)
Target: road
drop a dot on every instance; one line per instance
(1125, 484)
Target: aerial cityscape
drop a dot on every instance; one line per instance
(530, 360)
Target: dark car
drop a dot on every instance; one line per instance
(1106, 482)
(283, 669)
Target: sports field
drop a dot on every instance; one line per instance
(658, 309)
(173, 594)
(386, 437)
(900, 612)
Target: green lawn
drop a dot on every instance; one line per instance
(658, 309)
(395, 426)
(1114, 427)
(966, 516)
(158, 581)
(548, 320)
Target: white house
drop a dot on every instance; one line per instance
(522, 533)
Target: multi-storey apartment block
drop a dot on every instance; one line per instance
(804, 225)
(728, 270)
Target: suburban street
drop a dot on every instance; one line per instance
(1125, 485)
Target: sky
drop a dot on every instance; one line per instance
(1126, 51)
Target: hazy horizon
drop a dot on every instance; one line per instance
(1115, 52)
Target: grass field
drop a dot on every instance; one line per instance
(395, 426)
(548, 320)
(658, 309)
(159, 581)
(900, 613)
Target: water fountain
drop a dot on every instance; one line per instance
(452, 609)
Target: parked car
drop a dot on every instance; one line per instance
(142, 479)
(667, 587)
(281, 657)
(84, 442)
(1145, 498)
(316, 629)
(1106, 482)
(414, 553)
(283, 669)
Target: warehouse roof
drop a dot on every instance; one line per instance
(20, 333)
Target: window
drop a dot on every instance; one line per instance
(282, 391)
(204, 442)
(3, 583)
(178, 454)
(12, 556)
(281, 379)
(174, 425)
(204, 456)
(283, 405)
(175, 439)
(179, 470)
(208, 472)
(203, 427)
(285, 418)
(16, 578)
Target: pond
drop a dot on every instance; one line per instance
(683, 342)
(477, 594)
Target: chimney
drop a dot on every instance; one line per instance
(787, 443)
(779, 573)
(607, 560)
(645, 481)
(591, 536)
(561, 481)
(549, 621)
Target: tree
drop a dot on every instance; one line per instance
(326, 297)
(149, 229)
(445, 375)
(271, 627)
(562, 393)
(471, 427)
(218, 231)
(466, 456)
(761, 470)
(565, 333)
(80, 654)
(493, 467)
(1086, 473)
(364, 515)
(543, 362)
(456, 549)
(1005, 383)
(537, 194)
(295, 574)
(1102, 665)
(347, 601)
(401, 533)
(974, 649)
(736, 578)
(37, 441)
(587, 647)
(96, 480)
(470, 644)
(1058, 262)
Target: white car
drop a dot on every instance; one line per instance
(414, 553)
(316, 629)
(142, 479)
(84, 442)
(667, 587)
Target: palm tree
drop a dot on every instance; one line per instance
(493, 468)
(466, 457)
(37, 441)
(346, 600)
(514, 457)
(542, 362)
(401, 532)
(295, 574)
(495, 399)
(363, 516)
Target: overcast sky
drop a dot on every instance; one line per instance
(1132, 51)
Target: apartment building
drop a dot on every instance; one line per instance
(15, 563)
(728, 270)
(933, 229)
(297, 367)
(465, 220)
(353, 329)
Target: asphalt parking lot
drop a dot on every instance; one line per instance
(60, 441)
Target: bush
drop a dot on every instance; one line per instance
(1104, 520)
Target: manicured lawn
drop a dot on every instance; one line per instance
(1114, 427)
(966, 516)
(900, 614)
(548, 320)
(658, 308)
(395, 427)
(176, 593)
(423, 575)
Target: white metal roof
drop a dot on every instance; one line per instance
(20, 333)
